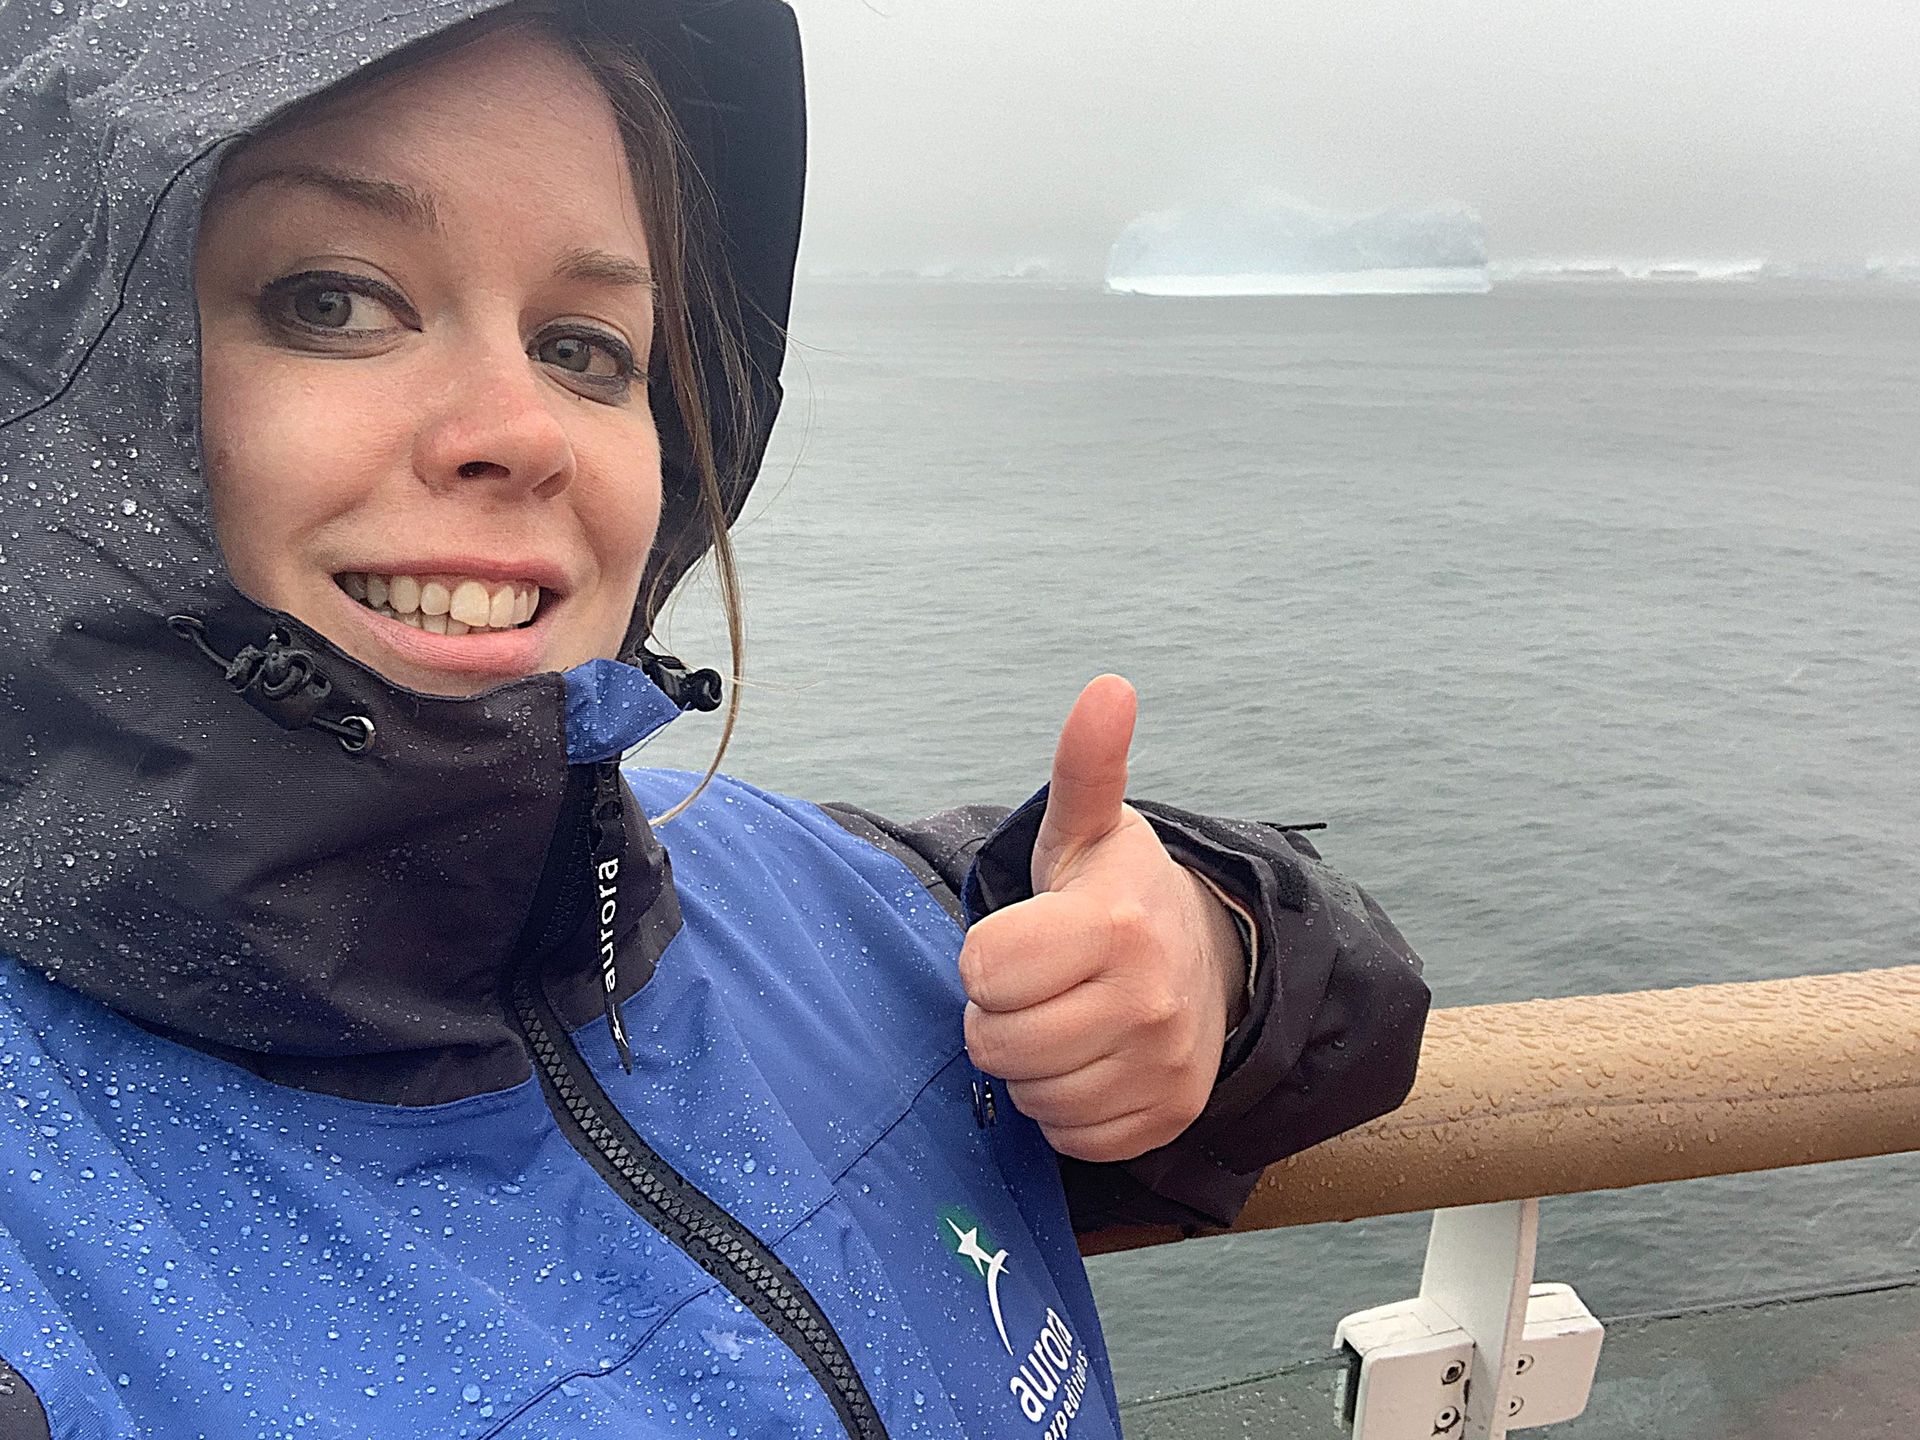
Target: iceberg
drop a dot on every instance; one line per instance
(1273, 244)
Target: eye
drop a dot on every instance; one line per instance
(600, 362)
(329, 308)
(331, 302)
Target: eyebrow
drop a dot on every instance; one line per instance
(601, 267)
(387, 198)
(407, 206)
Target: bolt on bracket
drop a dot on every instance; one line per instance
(1481, 1350)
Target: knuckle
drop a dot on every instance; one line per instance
(1157, 1005)
(973, 969)
(983, 1044)
(1129, 924)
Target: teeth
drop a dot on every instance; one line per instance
(444, 604)
(471, 603)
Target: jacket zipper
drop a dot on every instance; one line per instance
(709, 1236)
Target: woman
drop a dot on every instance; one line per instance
(378, 1066)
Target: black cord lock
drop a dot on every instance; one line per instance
(690, 690)
(281, 681)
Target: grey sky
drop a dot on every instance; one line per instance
(981, 131)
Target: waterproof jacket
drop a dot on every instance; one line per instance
(371, 1065)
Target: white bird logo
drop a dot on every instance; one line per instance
(992, 1266)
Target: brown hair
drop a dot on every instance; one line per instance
(695, 300)
(696, 310)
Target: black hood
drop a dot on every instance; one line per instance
(214, 850)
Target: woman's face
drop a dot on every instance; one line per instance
(424, 317)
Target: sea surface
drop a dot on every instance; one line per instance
(1588, 617)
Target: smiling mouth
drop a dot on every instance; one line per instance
(445, 604)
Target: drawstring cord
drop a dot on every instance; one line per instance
(281, 681)
(284, 683)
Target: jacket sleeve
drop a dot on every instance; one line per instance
(1330, 1040)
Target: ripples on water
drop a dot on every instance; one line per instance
(1586, 617)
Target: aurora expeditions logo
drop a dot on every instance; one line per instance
(964, 1240)
(1051, 1378)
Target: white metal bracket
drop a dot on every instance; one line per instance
(1481, 1350)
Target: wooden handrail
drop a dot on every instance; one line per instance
(1600, 1092)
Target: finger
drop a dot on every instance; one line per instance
(1125, 1137)
(1089, 779)
(1037, 949)
(1062, 1035)
(1109, 1088)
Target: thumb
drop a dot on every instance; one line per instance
(1089, 782)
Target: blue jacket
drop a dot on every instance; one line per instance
(188, 1249)
(800, 1171)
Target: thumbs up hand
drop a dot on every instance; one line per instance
(1104, 1000)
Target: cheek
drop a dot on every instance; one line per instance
(278, 463)
(621, 517)
(237, 482)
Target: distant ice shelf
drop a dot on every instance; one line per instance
(1272, 244)
(1432, 280)
(1877, 270)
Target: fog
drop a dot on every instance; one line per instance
(992, 133)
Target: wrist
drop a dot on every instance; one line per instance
(1230, 947)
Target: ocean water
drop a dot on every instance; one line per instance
(1587, 617)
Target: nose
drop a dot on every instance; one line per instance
(494, 424)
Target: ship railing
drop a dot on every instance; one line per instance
(1516, 1102)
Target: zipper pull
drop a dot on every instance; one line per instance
(607, 828)
(986, 1110)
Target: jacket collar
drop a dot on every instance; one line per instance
(332, 918)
